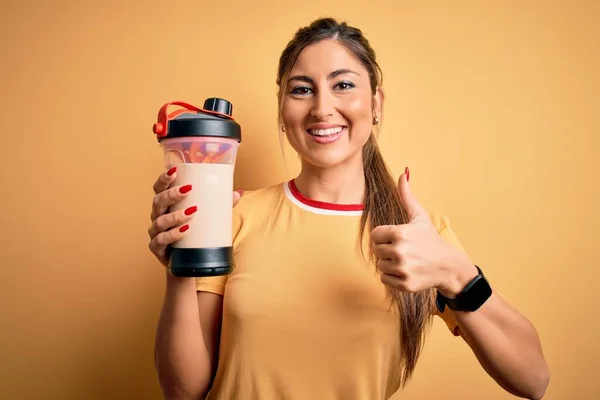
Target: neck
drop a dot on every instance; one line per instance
(342, 184)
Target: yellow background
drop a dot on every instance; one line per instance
(493, 105)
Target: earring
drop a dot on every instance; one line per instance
(375, 121)
(282, 128)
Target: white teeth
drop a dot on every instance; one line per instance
(326, 132)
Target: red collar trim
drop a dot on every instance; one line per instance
(321, 204)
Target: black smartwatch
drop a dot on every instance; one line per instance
(470, 298)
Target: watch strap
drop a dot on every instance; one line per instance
(473, 295)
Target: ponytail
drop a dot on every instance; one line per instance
(384, 207)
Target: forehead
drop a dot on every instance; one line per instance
(321, 58)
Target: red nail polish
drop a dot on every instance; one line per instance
(171, 171)
(185, 189)
(241, 192)
(184, 228)
(191, 210)
(407, 172)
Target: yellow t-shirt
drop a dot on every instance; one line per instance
(305, 316)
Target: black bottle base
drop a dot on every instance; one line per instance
(215, 261)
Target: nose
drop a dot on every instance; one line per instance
(323, 106)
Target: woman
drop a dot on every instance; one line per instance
(337, 271)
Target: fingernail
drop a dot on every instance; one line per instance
(241, 192)
(407, 172)
(171, 171)
(185, 189)
(191, 210)
(184, 228)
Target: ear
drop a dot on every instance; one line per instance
(378, 99)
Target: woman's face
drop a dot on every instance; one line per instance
(328, 105)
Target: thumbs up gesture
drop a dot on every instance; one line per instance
(413, 257)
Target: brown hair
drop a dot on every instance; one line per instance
(382, 204)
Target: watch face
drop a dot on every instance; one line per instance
(476, 294)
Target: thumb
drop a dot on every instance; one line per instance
(413, 207)
(237, 196)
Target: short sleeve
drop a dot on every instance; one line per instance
(212, 284)
(450, 321)
(442, 223)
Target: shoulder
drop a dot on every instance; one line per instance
(438, 218)
(258, 204)
(258, 197)
(442, 223)
(261, 193)
(254, 210)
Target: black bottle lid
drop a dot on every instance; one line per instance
(219, 105)
(213, 120)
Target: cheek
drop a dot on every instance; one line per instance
(292, 116)
(359, 112)
(293, 112)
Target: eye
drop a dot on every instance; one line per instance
(345, 85)
(301, 90)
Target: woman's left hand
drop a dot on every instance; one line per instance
(413, 257)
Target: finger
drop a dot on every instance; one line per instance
(400, 283)
(384, 251)
(392, 280)
(160, 242)
(167, 198)
(412, 205)
(391, 234)
(168, 221)
(388, 267)
(237, 196)
(383, 234)
(164, 180)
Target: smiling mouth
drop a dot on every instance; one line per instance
(326, 132)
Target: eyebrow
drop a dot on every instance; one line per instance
(332, 75)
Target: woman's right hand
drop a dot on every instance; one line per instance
(168, 228)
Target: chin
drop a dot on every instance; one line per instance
(330, 158)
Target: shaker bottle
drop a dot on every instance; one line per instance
(202, 143)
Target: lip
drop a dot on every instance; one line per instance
(325, 126)
(329, 138)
